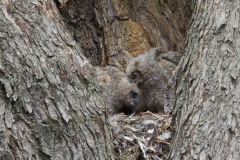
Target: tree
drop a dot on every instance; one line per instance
(107, 29)
(50, 104)
(207, 106)
(50, 108)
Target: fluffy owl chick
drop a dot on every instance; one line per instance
(121, 95)
(151, 72)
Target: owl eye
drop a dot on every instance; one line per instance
(134, 95)
(135, 75)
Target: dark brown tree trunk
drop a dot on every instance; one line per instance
(207, 107)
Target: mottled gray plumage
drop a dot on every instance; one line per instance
(151, 72)
(121, 95)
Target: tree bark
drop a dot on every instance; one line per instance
(50, 103)
(207, 106)
(50, 106)
(112, 30)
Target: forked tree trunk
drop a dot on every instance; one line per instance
(110, 30)
(208, 106)
(49, 107)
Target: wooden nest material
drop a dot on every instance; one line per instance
(143, 136)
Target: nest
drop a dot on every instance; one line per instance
(143, 136)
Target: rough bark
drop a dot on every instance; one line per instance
(207, 106)
(111, 30)
(50, 106)
(50, 103)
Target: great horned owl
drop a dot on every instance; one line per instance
(151, 72)
(121, 95)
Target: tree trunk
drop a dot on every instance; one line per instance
(50, 107)
(111, 30)
(50, 103)
(207, 107)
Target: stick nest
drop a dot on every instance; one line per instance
(143, 136)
